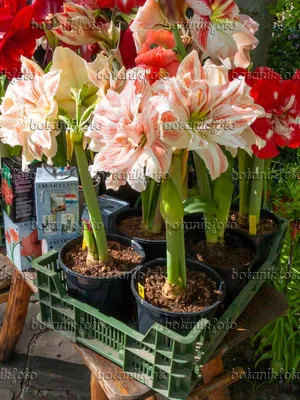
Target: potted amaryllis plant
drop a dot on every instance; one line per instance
(67, 93)
(278, 128)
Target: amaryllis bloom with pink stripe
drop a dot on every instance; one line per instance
(29, 111)
(222, 33)
(203, 117)
(125, 131)
(77, 26)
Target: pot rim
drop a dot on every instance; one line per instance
(110, 236)
(205, 311)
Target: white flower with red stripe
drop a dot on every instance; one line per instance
(201, 116)
(29, 111)
(125, 131)
(222, 33)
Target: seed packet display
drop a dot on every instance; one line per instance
(56, 193)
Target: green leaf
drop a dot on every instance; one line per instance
(196, 204)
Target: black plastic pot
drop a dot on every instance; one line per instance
(112, 296)
(182, 323)
(264, 242)
(153, 248)
(236, 277)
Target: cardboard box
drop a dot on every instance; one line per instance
(57, 204)
(18, 190)
(53, 244)
(22, 243)
(109, 207)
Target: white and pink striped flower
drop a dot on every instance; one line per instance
(125, 131)
(222, 33)
(29, 111)
(201, 116)
(77, 26)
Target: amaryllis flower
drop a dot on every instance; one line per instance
(157, 55)
(31, 245)
(149, 17)
(18, 31)
(281, 125)
(7, 193)
(202, 117)
(127, 49)
(222, 33)
(281, 100)
(77, 26)
(8, 236)
(14, 235)
(29, 112)
(79, 76)
(125, 132)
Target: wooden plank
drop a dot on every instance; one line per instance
(97, 392)
(266, 306)
(210, 371)
(15, 315)
(4, 297)
(218, 383)
(114, 382)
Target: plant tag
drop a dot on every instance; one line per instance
(252, 225)
(141, 290)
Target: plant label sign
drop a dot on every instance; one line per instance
(17, 190)
(22, 243)
(109, 207)
(57, 203)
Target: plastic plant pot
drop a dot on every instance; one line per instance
(153, 248)
(112, 296)
(182, 323)
(237, 276)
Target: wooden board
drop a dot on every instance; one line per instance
(114, 382)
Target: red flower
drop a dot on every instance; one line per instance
(157, 55)
(31, 245)
(128, 49)
(7, 193)
(123, 5)
(14, 235)
(281, 101)
(8, 237)
(19, 33)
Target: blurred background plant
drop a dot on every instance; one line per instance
(279, 341)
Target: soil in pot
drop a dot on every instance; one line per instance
(133, 227)
(233, 260)
(128, 223)
(267, 225)
(220, 255)
(202, 291)
(122, 260)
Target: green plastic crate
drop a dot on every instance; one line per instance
(163, 360)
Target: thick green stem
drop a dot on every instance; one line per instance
(173, 213)
(206, 193)
(257, 187)
(243, 184)
(151, 197)
(179, 45)
(92, 202)
(157, 222)
(268, 164)
(223, 191)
